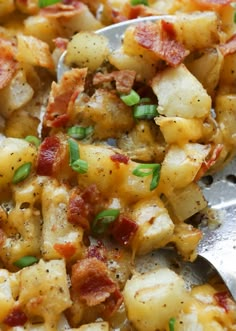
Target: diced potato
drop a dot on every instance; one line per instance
(153, 298)
(99, 326)
(87, 49)
(228, 72)
(6, 7)
(56, 228)
(41, 283)
(181, 164)
(34, 51)
(180, 94)
(155, 225)
(16, 94)
(178, 130)
(6, 299)
(28, 7)
(187, 201)
(14, 152)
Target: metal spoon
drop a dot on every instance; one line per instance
(217, 249)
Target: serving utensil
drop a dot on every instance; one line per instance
(217, 249)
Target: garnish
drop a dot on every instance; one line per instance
(79, 132)
(130, 99)
(139, 2)
(172, 321)
(25, 261)
(147, 169)
(33, 140)
(104, 219)
(45, 3)
(76, 163)
(145, 111)
(22, 173)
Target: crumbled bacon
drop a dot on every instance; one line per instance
(129, 12)
(67, 250)
(62, 97)
(8, 64)
(68, 8)
(222, 300)
(99, 251)
(123, 230)
(207, 164)
(229, 47)
(212, 4)
(82, 206)
(124, 79)
(160, 39)
(91, 282)
(47, 156)
(15, 318)
(120, 158)
(61, 43)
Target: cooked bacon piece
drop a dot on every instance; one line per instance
(160, 39)
(63, 96)
(222, 300)
(129, 12)
(68, 8)
(83, 206)
(47, 156)
(61, 43)
(206, 165)
(229, 47)
(99, 251)
(123, 230)
(120, 158)
(67, 250)
(91, 282)
(212, 4)
(15, 318)
(124, 79)
(8, 64)
(113, 303)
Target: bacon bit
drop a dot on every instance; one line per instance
(99, 251)
(117, 16)
(206, 165)
(222, 300)
(129, 12)
(8, 64)
(160, 39)
(66, 250)
(229, 47)
(47, 156)
(62, 97)
(66, 9)
(120, 158)
(113, 303)
(123, 230)
(83, 206)
(124, 79)
(15, 318)
(91, 282)
(61, 43)
(212, 4)
(2, 237)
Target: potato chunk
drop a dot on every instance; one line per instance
(151, 299)
(180, 94)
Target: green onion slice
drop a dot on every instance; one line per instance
(143, 170)
(80, 166)
(45, 3)
(25, 261)
(33, 140)
(145, 111)
(139, 2)
(79, 132)
(73, 150)
(172, 321)
(103, 219)
(235, 17)
(22, 173)
(130, 99)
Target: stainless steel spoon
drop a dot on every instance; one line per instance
(217, 249)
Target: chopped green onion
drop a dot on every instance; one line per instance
(22, 173)
(73, 150)
(144, 100)
(130, 99)
(33, 140)
(139, 2)
(172, 321)
(145, 111)
(25, 261)
(103, 219)
(143, 170)
(45, 3)
(79, 132)
(235, 17)
(80, 166)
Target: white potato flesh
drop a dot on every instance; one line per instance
(155, 225)
(14, 153)
(180, 94)
(181, 164)
(6, 7)
(177, 130)
(99, 326)
(87, 49)
(151, 299)
(6, 298)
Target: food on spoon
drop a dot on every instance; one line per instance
(102, 165)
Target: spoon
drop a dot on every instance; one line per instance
(217, 249)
